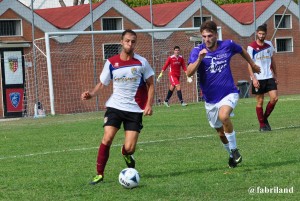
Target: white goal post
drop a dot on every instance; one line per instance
(67, 65)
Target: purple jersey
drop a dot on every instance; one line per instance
(214, 72)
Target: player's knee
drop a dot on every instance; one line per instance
(130, 149)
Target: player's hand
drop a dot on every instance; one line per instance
(189, 79)
(159, 77)
(255, 83)
(148, 111)
(86, 95)
(202, 53)
(256, 69)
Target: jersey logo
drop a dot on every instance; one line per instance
(134, 71)
(116, 64)
(216, 66)
(15, 98)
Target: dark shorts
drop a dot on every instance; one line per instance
(132, 121)
(265, 86)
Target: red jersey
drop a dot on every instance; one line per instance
(175, 64)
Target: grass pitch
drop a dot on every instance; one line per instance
(179, 157)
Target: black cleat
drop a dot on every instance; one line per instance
(268, 125)
(231, 163)
(264, 129)
(236, 155)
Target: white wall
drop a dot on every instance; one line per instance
(38, 4)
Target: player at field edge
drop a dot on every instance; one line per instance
(261, 52)
(176, 62)
(211, 61)
(132, 97)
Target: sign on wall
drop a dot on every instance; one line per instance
(13, 67)
(14, 99)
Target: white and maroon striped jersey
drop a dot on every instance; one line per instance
(130, 91)
(261, 55)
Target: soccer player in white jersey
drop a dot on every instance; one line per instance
(211, 61)
(132, 97)
(261, 52)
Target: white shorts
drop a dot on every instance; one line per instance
(212, 110)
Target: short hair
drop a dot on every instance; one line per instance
(128, 31)
(210, 26)
(262, 27)
(176, 47)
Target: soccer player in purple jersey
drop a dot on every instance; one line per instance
(261, 51)
(211, 60)
(132, 97)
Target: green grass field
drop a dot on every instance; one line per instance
(179, 157)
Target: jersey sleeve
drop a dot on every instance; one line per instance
(148, 71)
(106, 74)
(194, 55)
(183, 64)
(236, 48)
(166, 64)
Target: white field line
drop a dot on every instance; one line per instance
(146, 142)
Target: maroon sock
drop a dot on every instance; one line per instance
(260, 116)
(103, 155)
(269, 109)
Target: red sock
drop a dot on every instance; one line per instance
(269, 109)
(260, 116)
(103, 155)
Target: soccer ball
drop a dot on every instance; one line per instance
(129, 178)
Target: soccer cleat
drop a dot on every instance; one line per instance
(97, 179)
(231, 163)
(264, 129)
(268, 125)
(166, 104)
(236, 155)
(183, 104)
(130, 162)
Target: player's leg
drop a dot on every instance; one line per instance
(179, 93)
(170, 91)
(260, 112)
(223, 138)
(133, 124)
(273, 93)
(226, 106)
(111, 126)
(103, 152)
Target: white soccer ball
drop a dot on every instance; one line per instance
(129, 178)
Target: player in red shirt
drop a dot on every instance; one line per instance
(176, 62)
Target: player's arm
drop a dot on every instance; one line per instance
(192, 67)
(274, 69)
(252, 77)
(150, 84)
(255, 68)
(88, 95)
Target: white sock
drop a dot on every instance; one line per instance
(231, 139)
(226, 146)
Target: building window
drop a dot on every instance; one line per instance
(197, 21)
(112, 24)
(284, 45)
(10, 27)
(286, 21)
(111, 50)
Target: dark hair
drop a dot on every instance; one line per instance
(128, 31)
(210, 26)
(262, 27)
(176, 47)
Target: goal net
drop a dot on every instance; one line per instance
(67, 64)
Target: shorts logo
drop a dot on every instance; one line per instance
(15, 98)
(105, 119)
